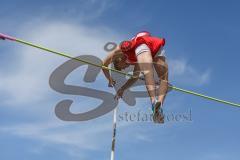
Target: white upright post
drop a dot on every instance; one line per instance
(114, 133)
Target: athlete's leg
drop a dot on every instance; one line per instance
(145, 61)
(161, 68)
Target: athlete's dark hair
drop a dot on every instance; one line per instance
(117, 58)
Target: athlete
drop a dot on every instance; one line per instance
(146, 53)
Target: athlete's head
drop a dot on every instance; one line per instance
(120, 62)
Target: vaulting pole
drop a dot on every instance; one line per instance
(114, 133)
(7, 37)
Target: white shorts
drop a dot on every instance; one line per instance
(144, 48)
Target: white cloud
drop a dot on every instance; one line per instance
(27, 86)
(79, 136)
(73, 138)
(183, 73)
(29, 83)
(143, 137)
(215, 155)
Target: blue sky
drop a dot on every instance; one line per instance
(202, 49)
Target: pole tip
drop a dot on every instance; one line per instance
(4, 37)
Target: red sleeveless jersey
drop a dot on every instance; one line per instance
(128, 47)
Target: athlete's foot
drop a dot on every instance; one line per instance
(158, 116)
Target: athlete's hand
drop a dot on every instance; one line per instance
(119, 94)
(111, 82)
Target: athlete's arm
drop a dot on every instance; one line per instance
(106, 62)
(130, 82)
